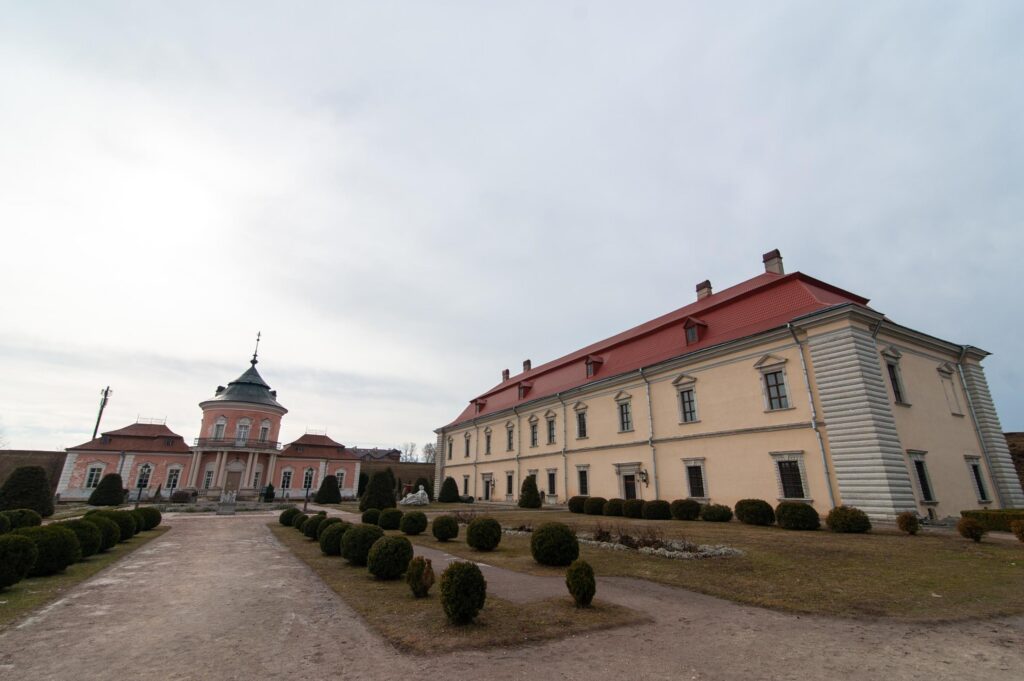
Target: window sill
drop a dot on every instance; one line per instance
(804, 500)
(984, 502)
(687, 423)
(626, 431)
(772, 411)
(903, 404)
(581, 438)
(703, 500)
(959, 416)
(932, 502)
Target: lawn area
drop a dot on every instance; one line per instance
(29, 594)
(931, 577)
(419, 625)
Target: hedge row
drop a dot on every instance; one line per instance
(995, 521)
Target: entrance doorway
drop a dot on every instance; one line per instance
(487, 487)
(233, 481)
(629, 486)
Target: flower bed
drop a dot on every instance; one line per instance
(649, 545)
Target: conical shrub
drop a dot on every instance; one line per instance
(27, 487)
(328, 492)
(380, 493)
(449, 492)
(110, 491)
(529, 496)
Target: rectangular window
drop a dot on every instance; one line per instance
(590, 369)
(897, 388)
(922, 480)
(264, 433)
(218, 431)
(533, 434)
(307, 479)
(695, 478)
(952, 399)
(792, 480)
(286, 480)
(551, 483)
(551, 431)
(487, 443)
(508, 436)
(508, 484)
(776, 385)
(979, 481)
(208, 479)
(691, 335)
(451, 448)
(144, 473)
(584, 483)
(256, 480)
(581, 424)
(92, 478)
(467, 448)
(625, 416)
(172, 478)
(242, 432)
(465, 485)
(688, 404)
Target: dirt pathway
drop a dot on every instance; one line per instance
(218, 598)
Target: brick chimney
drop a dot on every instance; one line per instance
(704, 289)
(504, 375)
(527, 365)
(773, 262)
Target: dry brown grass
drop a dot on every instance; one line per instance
(884, 573)
(419, 625)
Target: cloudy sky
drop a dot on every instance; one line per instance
(408, 197)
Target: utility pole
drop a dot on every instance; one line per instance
(104, 396)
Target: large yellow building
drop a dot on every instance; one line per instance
(782, 387)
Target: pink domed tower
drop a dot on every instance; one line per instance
(238, 440)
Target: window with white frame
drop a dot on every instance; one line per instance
(773, 382)
(949, 389)
(256, 479)
(142, 481)
(465, 485)
(624, 404)
(208, 478)
(92, 476)
(978, 478)
(533, 431)
(286, 479)
(466, 440)
(509, 477)
(340, 475)
(551, 430)
(307, 479)
(242, 430)
(581, 424)
(892, 364)
(509, 436)
(552, 478)
(583, 475)
(686, 386)
(921, 477)
(790, 474)
(487, 440)
(173, 476)
(451, 448)
(265, 430)
(219, 427)
(696, 485)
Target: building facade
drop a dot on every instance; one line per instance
(783, 387)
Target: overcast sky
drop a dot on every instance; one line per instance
(406, 198)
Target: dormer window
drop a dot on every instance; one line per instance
(524, 389)
(479, 405)
(593, 363)
(695, 329)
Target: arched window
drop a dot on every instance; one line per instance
(341, 478)
(142, 482)
(242, 430)
(265, 430)
(218, 428)
(307, 479)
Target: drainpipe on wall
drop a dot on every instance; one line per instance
(519, 445)
(650, 437)
(120, 463)
(974, 420)
(565, 443)
(814, 415)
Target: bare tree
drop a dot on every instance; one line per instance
(428, 453)
(408, 451)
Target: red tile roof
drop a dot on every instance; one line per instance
(760, 304)
(138, 437)
(317, 446)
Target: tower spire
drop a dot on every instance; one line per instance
(256, 350)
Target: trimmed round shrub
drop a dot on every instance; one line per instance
(908, 522)
(685, 509)
(576, 504)
(27, 487)
(17, 556)
(110, 533)
(324, 524)
(754, 512)
(1017, 527)
(449, 491)
(88, 534)
(331, 536)
(796, 515)
(312, 524)
(969, 528)
(633, 508)
(141, 524)
(109, 492)
(613, 507)
(125, 522)
(389, 557)
(529, 495)
(484, 534)
(579, 579)
(716, 513)
(58, 548)
(463, 592)
(419, 576)
(445, 527)
(5, 524)
(299, 520)
(390, 519)
(371, 516)
(413, 523)
(287, 515)
(594, 505)
(153, 516)
(357, 541)
(656, 510)
(847, 519)
(554, 544)
(380, 493)
(23, 517)
(328, 492)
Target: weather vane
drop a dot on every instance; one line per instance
(257, 349)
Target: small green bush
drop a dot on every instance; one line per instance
(419, 576)
(330, 538)
(1017, 527)
(969, 528)
(109, 492)
(27, 487)
(554, 544)
(796, 515)
(58, 548)
(449, 492)
(594, 505)
(90, 539)
(847, 519)
(153, 516)
(324, 524)
(5, 524)
(287, 515)
(463, 592)
(125, 522)
(371, 516)
(908, 522)
(389, 557)
(576, 504)
(656, 509)
(633, 508)
(299, 520)
(613, 507)
(579, 579)
(390, 519)
(141, 524)
(311, 525)
(413, 523)
(445, 527)
(716, 513)
(110, 533)
(22, 517)
(483, 534)
(685, 509)
(529, 495)
(357, 541)
(754, 512)
(17, 556)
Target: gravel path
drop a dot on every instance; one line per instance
(217, 598)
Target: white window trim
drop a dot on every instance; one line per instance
(167, 477)
(975, 460)
(291, 477)
(309, 472)
(622, 470)
(696, 462)
(208, 476)
(797, 456)
(891, 356)
(138, 474)
(534, 430)
(919, 455)
(548, 479)
(584, 468)
(946, 373)
(770, 364)
(94, 466)
(683, 383)
(624, 398)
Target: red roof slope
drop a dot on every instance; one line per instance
(760, 304)
(317, 446)
(138, 437)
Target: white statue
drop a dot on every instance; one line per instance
(419, 498)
